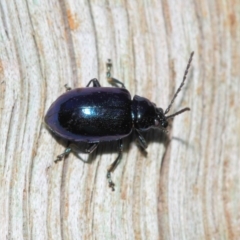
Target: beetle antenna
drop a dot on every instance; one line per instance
(180, 87)
(177, 113)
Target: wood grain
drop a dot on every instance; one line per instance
(187, 186)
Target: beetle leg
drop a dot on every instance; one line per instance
(111, 80)
(141, 139)
(61, 156)
(114, 165)
(95, 83)
(67, 87)
(115, 82)
(91, 147)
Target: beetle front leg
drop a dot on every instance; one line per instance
(114, 165)
(141, 140)
(95, 83)
(111, 80)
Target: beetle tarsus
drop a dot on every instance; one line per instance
(61, 156)
(114, 165)
(110, 182)
(109, 68)
(113, 81)
(67, 87)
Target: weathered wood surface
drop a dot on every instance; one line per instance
(187, 186)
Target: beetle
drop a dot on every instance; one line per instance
(99, 114)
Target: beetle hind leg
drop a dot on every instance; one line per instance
(114, 165)
(141, 140)
(113, 81)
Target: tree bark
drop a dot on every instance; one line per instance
(186, 186)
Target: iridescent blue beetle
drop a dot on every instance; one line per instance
(99, 114)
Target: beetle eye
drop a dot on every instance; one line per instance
(164, 124)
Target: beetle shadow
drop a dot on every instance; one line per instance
(151, 136)
(160, 137)
(154, 136)
(112, 146)
(80, 153)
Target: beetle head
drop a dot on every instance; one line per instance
(160, 120)
(146, 115)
